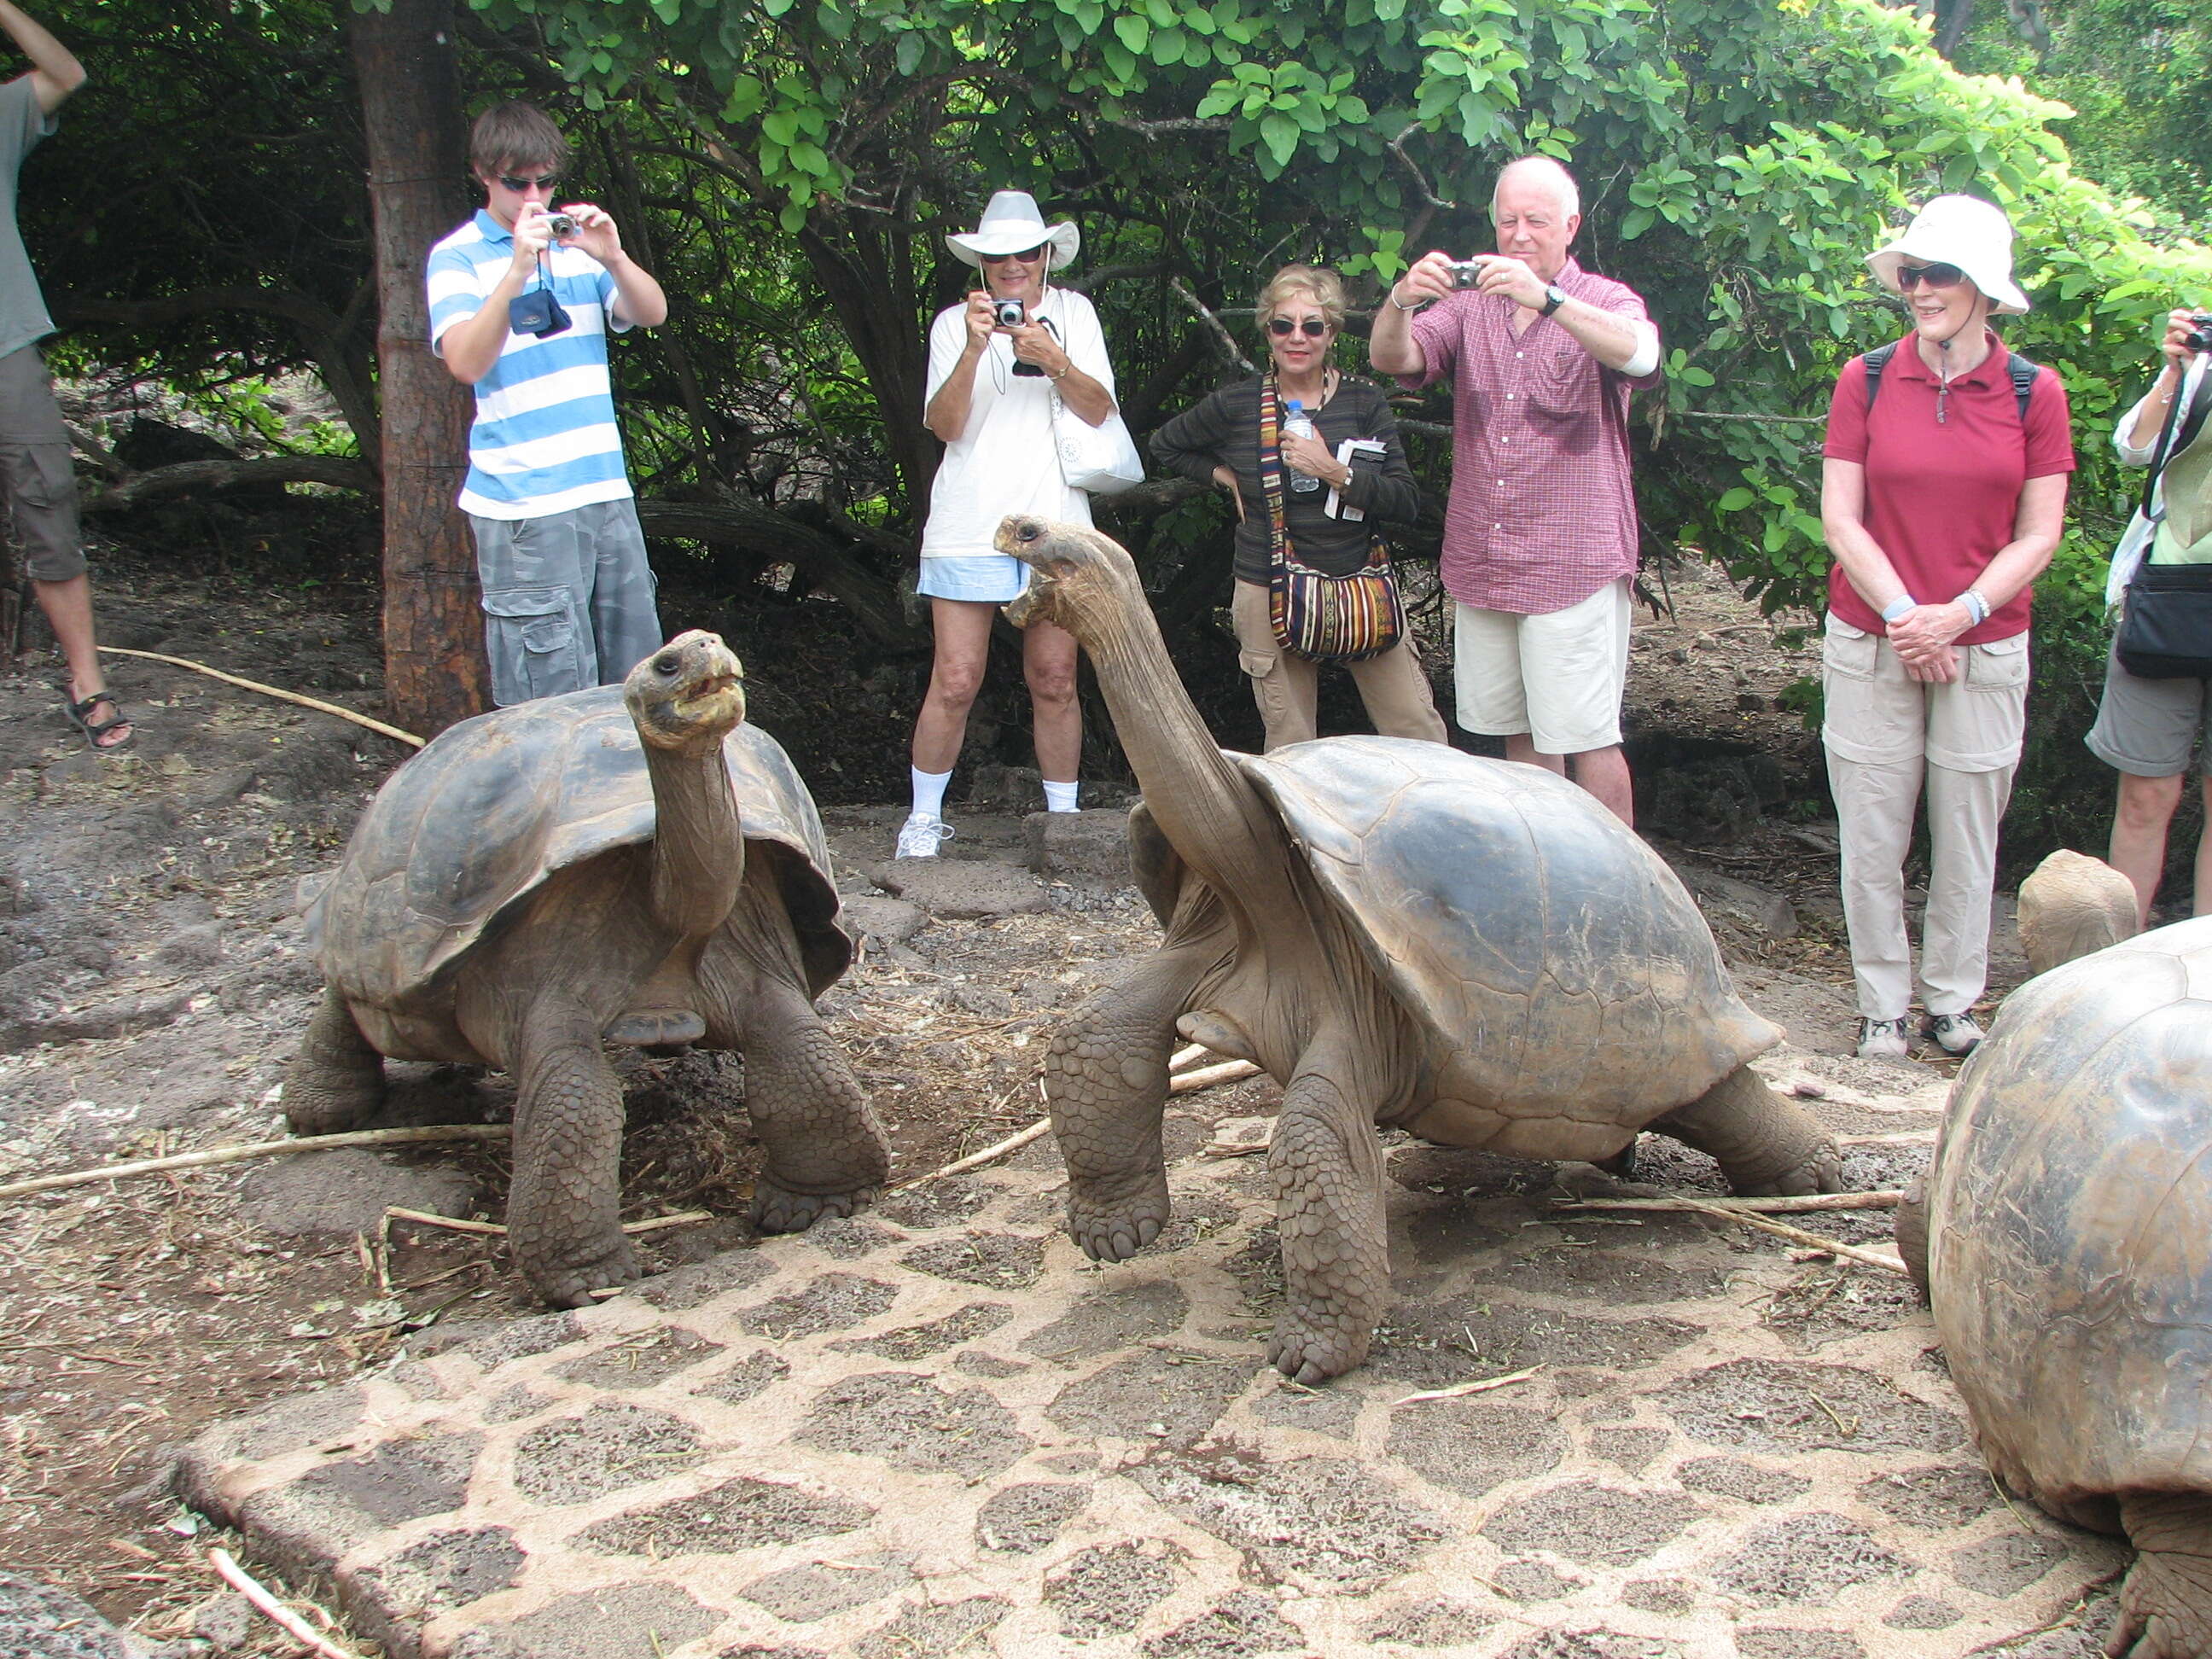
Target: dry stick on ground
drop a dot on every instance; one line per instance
(294, 1626)
(377, 726)
(240, 1154)
(1481, 1385)
(1887, 1199)
(492, 1228)
(1834, 1247)
(1207, 1075)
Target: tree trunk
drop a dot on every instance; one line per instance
(433, 661)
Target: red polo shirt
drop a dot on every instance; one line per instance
(1943, 496)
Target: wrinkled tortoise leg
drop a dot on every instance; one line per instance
(2166, 1605)
(336, 1080)
(1763, 1143)
(1912, 1233)
(822, 1151)
(564, 1205)
(1106, 1082)
(1328, 1166)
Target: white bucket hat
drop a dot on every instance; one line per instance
(1012, 224)
(1963, 231)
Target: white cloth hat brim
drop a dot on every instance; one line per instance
(1016, 236)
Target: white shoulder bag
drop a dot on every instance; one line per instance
(1101, 460)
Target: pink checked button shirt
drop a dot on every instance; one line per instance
(1540, 514)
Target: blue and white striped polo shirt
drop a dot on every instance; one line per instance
(544, 439)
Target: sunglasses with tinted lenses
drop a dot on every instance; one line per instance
(544, 181)
(1026, 255)
(1282, 327)
(1911, 276)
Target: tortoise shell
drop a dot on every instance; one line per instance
(1563, 974)
(2069, 1223)
(493, 805)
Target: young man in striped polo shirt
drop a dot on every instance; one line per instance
(567, 594)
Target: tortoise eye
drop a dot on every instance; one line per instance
(1029, 532)
(666, 662)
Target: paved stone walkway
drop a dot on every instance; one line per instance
(935, 1430)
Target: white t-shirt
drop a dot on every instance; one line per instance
(1004, 461)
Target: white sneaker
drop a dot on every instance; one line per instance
(919, 837)
(1883, 1039)
(1955, 1034)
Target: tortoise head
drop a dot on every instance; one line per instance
(688, 696)
(1078, 577)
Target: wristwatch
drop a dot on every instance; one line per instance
(1554, 297)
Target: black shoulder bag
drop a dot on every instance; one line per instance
(2165, 624)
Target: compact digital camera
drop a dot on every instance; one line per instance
(1467, 273)
(1009, 313)
(558, 225)
(2199, 338)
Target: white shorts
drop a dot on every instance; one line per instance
(1558, 676)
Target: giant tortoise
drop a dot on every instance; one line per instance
(630, 862)
(2066, 1246)
(1401, 935)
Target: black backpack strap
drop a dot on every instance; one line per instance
(2023, 374)
(1876, 361)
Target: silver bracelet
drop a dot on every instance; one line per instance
(1975, 605)
(1393, 299)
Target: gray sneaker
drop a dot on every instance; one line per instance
(1883, 1039)
(1955, 1034)
(919, 837)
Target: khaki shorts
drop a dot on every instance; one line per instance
(1558, 676)
(1876, 715)
(2149, 727)
(35, 467)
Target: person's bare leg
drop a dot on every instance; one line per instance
(2203, 904)
(68, 606)
(1604, 773)
(2137, 850)
(1048, 656)
(962, 628)
(1520, 746)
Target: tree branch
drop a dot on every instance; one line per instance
(186, 476)
(1183, 292)
(1421, 179)
(825, 566)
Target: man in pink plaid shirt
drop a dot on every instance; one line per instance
(1540, 534)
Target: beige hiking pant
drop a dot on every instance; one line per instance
(1883, 731)
(1287, 687)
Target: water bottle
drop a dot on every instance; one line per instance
(1298, 421)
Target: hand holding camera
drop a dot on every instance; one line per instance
(2196, 328)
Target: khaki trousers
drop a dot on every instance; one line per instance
(1397, 691)
(1883, 731)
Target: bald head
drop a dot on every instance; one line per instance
(1539, 173)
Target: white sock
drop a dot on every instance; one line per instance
(1060, 797)
(928, 792)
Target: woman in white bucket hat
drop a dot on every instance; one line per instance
(1943, 492)
(989, 397)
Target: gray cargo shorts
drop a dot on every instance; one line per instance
(569, 600)
(34, 467)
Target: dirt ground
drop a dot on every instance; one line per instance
(153, 983)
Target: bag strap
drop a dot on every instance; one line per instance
(2171, 442)
(1270, 470)
(2021, 370)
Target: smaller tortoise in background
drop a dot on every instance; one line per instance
(1401, 935)
(2064, 1241)
(2072, 904)
(632, 862)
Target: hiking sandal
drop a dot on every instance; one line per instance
(79, 715)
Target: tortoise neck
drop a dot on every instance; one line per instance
(1209, 812)
(698, 844)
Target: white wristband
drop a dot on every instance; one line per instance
(1898, 607)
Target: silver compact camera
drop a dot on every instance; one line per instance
(1467, 273)
(558, 225)
(1008, 313)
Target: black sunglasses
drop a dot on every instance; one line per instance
(1026, 255)
(1281, 327)
(1911, 276)
(544, 181)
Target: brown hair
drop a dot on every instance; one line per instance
(1317, 283)
(513, 135)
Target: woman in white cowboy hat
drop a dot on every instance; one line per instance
(989, 397)
(1942, 495)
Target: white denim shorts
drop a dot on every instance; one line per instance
(1559, 677)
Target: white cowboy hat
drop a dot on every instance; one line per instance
(1011, 224)
(1963, 231)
